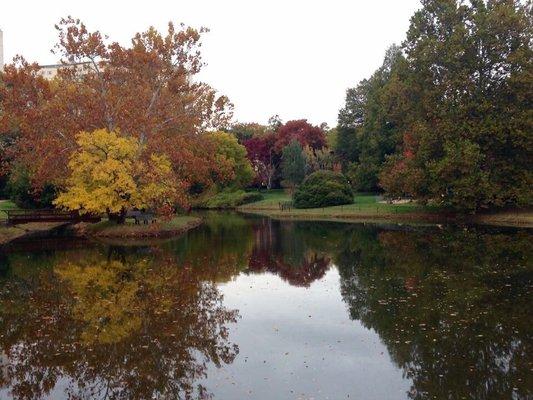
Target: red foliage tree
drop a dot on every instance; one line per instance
(303, 132)
(264, 150)
(264, 159)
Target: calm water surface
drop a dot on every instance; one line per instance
(252, 308)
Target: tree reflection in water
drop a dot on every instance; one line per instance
(282, 249)
(133, 326)
(453, 307)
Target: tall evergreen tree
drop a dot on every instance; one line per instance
(293, 164)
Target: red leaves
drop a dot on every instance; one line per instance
(303, 132)
(264, 150)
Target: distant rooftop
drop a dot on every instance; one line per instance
(48, 66)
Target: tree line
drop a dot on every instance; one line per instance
(446, 119)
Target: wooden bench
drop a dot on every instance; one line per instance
(140, 216)
(285, 205)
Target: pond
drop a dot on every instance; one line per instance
(253, 308)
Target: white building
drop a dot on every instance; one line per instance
(50, 71)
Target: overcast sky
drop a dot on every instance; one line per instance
(288, 57)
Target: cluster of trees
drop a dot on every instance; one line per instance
(129, 127)
(154, 114)
(297, 156)
(282, 154)
(447, 117)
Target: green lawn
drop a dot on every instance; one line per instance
(366, 207)
(365, 204)
(271, 199)
(4, 206)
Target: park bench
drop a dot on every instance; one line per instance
(140, 216)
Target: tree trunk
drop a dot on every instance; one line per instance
(119, 218)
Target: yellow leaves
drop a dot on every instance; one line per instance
(105, 302)
(231, 156)
(109, 174)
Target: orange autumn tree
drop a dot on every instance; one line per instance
(146, 91)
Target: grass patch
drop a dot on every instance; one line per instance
(271, 199)
(6, 205)
(176, 225)
(363, 202)
(369, 206)
(230, 199)
(8, 233)
(365, 206)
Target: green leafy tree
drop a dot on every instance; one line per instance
(19, 189)
(274, 123)
(370, 120)
(244, 131)
(364, 174)
(232, 154)
(467, 135)
(446, 118)
(293, 164)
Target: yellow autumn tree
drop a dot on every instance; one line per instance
(111, 174)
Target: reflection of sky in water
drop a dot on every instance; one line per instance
(329, 356)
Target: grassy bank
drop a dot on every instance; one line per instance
(9, 233)
(6, 205)
(364, 206)
(369, 207)
(226, 200)
(176, 226)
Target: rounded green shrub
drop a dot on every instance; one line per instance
(323, 189)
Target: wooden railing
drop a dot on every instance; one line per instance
(24, 216)
(285, 205)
